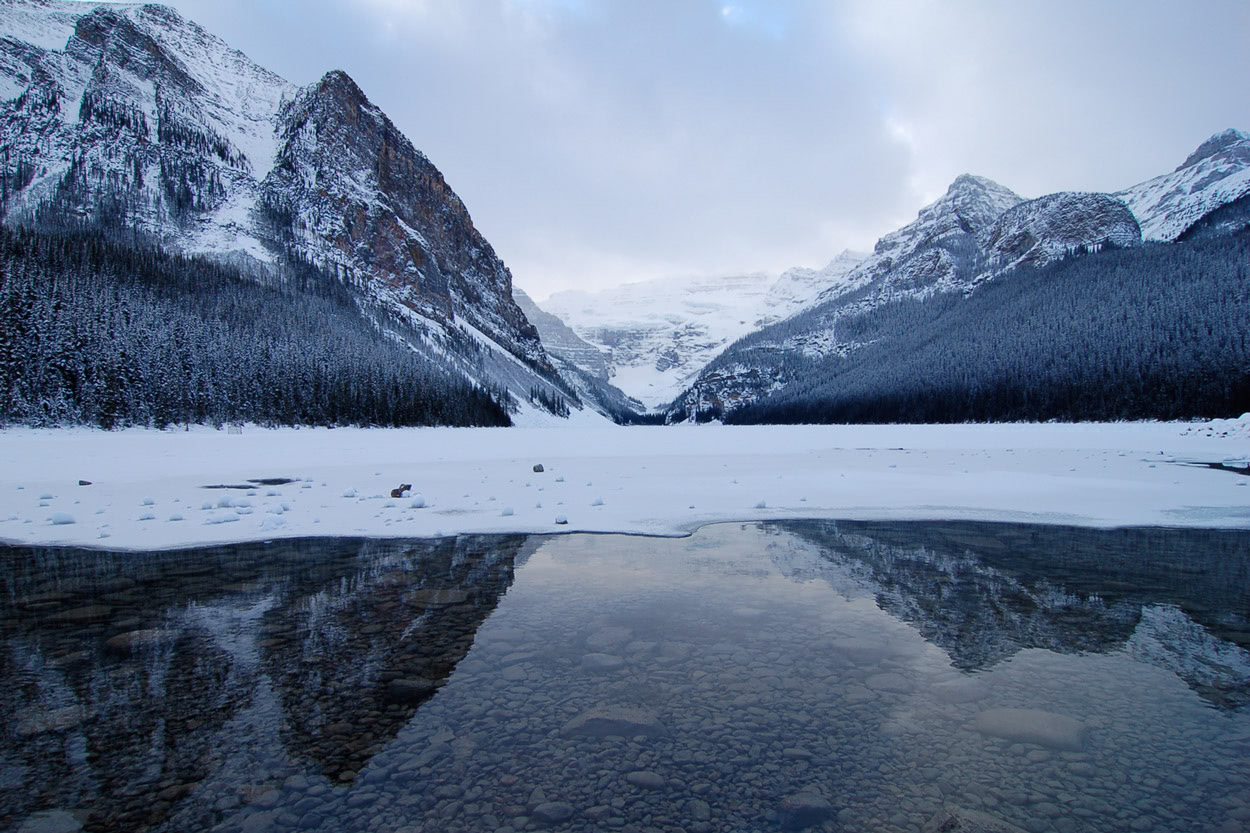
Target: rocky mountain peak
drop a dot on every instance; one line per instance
(972, 202)
(1228, 146)
(1217, 174)
(1049, 228)
(129, 116)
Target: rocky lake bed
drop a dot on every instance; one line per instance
(770, 676)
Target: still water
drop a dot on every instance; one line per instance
(758, 677)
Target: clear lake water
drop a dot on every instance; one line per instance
(835, 676)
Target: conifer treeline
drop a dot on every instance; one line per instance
(93, 332)
(1153, 332)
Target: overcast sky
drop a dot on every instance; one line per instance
(597, 142)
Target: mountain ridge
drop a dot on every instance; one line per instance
(976, 232)
(134, 120)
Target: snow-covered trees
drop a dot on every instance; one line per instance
(99, 333)
(1160, 331)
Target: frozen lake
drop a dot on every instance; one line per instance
(762, 676)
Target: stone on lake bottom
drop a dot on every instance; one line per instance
(602, 662)
(131, 641)
(959, 820)
(803, 810)
(553, 812)
(409, 690)
(38, 721)
(51, 821)
(646, 780)
(1055, 731)
(623, 721)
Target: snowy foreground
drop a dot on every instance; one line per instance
(147, 488)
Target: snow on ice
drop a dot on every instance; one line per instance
(646, 480)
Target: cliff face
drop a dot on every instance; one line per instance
(130, 119)
(1049, 228)
(349, 190)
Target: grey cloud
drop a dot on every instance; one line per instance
(596, 142)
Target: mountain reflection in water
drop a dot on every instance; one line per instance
(1179, 599)
(154, 659)
(831, 675)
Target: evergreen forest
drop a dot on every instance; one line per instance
(99, 333)
(1160, 331)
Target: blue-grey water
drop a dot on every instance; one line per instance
(757, 677)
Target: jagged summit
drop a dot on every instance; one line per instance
(127, 116)
(1214, 175)
(1228, 146)
(927, 254)
(974, 201)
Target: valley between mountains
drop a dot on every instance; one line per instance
(190, 239)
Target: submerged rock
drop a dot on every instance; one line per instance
(51, 821)
(132, 641)
(602, 662)
(803, 810)
(959, 820)
(646, 780)
(625, 721)
(1055, 731)
(553, 812)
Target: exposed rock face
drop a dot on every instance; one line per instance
(1050, 228)
(128, 117)
(1214, 175)
(348, 187)
(927, 254)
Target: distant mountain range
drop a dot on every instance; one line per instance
(977, 232)
(128, 124)
(652, 338)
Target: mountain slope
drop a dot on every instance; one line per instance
(938, 252)
(132, 120)
(1050, 228)
(582, 364)
(977, 232)
(1215, 174)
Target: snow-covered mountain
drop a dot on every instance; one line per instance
(655, 336)
(1049, 228)
(128, 117)
(926, 255)
(976, 232)
(799, 287)
(582, 364)
(1214, 175)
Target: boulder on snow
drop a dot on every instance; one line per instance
(538, 468)
(404, 487)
